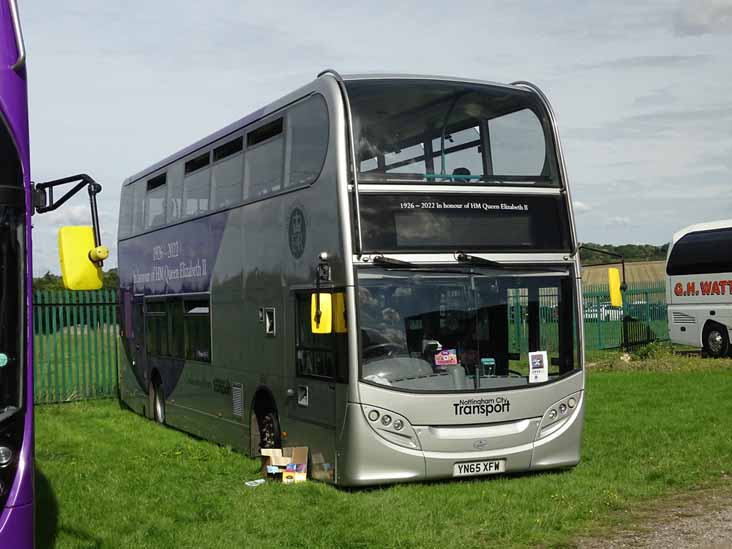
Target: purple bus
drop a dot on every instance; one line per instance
(81, 254)
(16, 326)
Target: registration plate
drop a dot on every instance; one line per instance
(475, 468)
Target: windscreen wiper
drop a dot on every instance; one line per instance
(462, 257)
(391, 262)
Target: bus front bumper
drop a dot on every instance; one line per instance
(367, 459)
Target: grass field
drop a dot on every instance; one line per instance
(635, 272)
(108, 478)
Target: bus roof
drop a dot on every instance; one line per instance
(708, 226)
(259, 113)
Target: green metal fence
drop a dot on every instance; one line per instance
(75, 345)
(642, 316)
(76, 333)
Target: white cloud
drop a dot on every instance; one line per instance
(618, 221)
(581, 207)
(69, 215)
(704, 17)
(655, 105)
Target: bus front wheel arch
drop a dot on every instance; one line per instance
(715, 340)
(264, 425)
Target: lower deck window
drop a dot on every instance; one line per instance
(178, 328)
(197, 330)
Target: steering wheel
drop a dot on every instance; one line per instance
(386, 349)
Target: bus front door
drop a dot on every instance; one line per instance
(313, 390)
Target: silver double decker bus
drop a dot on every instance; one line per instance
(382, 268)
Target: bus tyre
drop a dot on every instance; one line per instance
(715, 341)
(265, 432)
(157, 403)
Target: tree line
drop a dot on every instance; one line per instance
(50, 281)
(631, 252)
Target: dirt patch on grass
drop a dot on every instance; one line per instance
(701, 518)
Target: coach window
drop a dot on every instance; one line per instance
(197, 329)
(227, 173)
(265, 156)
(174, 209)
(125, 212)
(307, 133)
(155, 202)
(702, 252)
(138, 208)
(196, 185)
(156, 328)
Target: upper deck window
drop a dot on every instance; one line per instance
(155, 202)
(307, 135)
(197, 185)
(138, 206)
(174, 209)
(430, 131)
(126, 206)
(228, 170)
(264, 166)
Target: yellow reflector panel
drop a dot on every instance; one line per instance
(77, 270)
(340, 313)
(321, 323)
(616, 296)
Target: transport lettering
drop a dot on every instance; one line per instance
(484, 407)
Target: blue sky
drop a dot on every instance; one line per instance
(641, 89)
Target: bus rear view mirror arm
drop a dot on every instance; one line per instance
(80, 248)
(43, 201)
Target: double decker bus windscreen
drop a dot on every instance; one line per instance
(408, 130)
(463, 330)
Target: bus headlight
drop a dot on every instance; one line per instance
(558, 414)
(6, 456)
(391, 426)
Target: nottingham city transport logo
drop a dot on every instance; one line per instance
(297, 233)
(481, 406)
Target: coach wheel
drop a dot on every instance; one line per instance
(157, 402)
(265, 432)
(715, 341)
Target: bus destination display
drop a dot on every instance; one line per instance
(463, 222)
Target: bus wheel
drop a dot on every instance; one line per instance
(157, 403)
(265, 432)
(715, 341)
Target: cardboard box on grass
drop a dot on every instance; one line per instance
(291, 463)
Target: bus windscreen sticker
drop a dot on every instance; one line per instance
(446, 357)
(538, 367)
